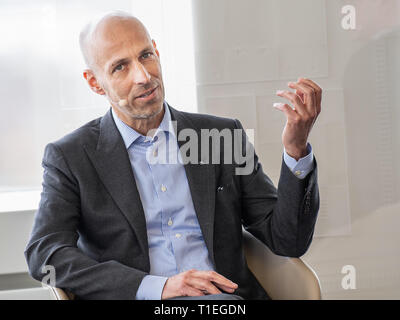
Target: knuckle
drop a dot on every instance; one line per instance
(298, 100)
(212, 290)
(186, 276)
(208, 288)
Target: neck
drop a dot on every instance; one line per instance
(142, 125)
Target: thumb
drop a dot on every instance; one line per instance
(285, 108)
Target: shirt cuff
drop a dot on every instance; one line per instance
(302, 167)
(151, 288)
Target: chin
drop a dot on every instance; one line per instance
(148, 112)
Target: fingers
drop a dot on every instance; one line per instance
(225, 288)
(308, 92)
(294, 99)
(204, 285)
(300, 94)
(306, 100)
(287, 110)
(192, 292)
(196, 283)
(318, 91)
(218, 280)
(179, 285)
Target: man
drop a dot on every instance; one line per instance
(116, 226)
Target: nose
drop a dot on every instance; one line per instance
(140, 74)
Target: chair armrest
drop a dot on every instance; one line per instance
(27, 294)
(283, 278)
(60, 294)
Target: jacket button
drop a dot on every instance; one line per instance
(220, 189)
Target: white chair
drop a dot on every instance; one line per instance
(283, 278)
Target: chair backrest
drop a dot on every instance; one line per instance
(283, 278)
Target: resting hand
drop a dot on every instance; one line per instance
(196, 283)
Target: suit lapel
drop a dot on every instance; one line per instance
(112, 163)
(201, 179)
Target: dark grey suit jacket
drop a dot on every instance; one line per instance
(91, 227)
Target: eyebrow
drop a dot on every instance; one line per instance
(149, 48)
(124, 60)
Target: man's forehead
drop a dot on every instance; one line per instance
(114, 34)
(119, 32)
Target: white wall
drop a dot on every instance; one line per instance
(246, 50)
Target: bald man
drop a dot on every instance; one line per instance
(115, 225)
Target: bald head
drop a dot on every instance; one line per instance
(123, 65)
(104, 30)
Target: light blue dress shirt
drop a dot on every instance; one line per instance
(174, 236)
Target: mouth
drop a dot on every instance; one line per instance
(148, 95)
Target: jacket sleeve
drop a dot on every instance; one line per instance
(53, 241)
(284, 218)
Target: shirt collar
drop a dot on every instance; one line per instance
(130, 135)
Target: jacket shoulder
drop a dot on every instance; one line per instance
(208, 121)
(75, 140)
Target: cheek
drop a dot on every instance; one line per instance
(154, 69)
(122, 86)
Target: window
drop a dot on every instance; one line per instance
(44, 95)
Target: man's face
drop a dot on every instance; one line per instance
(128, 67)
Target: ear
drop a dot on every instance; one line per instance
(155, 48)
(92, 81)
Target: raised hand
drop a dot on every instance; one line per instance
(306, 101)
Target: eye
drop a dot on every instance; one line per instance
(146, 55)
(119, 67)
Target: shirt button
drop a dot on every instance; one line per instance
(178, 235)
(163, 188)
(297, 173)
(170, 222)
